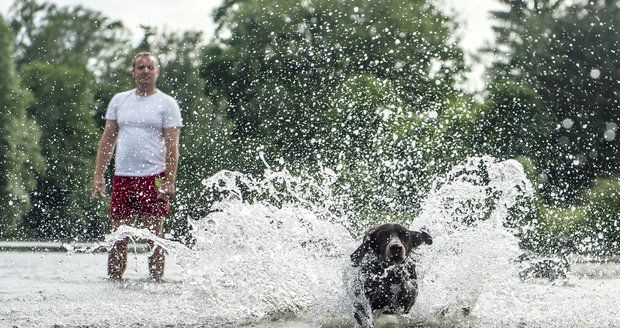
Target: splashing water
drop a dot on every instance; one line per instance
(261, 260)
(258, 260)
(466, 213)
(469, 277)
(273, 249)
(253, 260)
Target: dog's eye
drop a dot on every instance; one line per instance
(403, 234)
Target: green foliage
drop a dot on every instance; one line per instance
(561, 229)
(540, 228)
(530, 170)
(566, 52)
(591, 228)
(515, 122)
(363, 87)
(20, 156)
(205, 133)
(279, 72)
(63, 108)
(66, 35)
(554, 99)
(75, 36)
(416, 148)
(603, 215)
(334, 83)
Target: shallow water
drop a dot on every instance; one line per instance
(57, 289)
(259, 265)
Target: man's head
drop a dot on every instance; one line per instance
(145, 69)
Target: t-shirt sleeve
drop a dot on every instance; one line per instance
(110, 113)
(172, 116)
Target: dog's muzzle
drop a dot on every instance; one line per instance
(395, 252)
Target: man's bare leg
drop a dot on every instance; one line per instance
(117, 257)
(158, 258)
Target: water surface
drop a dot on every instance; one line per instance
(256, 264)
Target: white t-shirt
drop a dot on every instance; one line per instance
(140, 146)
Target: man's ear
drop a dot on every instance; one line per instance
(420, 237)
(358, 254)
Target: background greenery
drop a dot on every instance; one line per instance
(367, 88)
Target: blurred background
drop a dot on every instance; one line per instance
(387, 94)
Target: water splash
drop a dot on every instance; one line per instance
(271, 248)
(259, 260)
(274, 248)
(467, 212)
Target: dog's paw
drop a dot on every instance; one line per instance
(362, 318)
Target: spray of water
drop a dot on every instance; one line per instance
(269, 249)
(467, 212)
(273, 248)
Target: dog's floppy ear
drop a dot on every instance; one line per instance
(358, 254)
(420, 237)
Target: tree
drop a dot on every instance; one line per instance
(61, 53)
(75, 36)
(64, 109)
(566, 52)
(20, 153)
(278, 71)
(66, 35)
(515, 122)
(323, 83)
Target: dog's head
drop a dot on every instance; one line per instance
(392, 243)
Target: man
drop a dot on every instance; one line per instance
(142, 129)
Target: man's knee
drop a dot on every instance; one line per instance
(154, 224)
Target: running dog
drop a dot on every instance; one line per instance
(383, 277)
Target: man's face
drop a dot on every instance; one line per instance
(145, 70)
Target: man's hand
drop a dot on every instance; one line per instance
(98, 188)
(167, 189)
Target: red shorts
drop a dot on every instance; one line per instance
(137, 196)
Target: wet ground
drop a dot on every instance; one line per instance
(50, 288)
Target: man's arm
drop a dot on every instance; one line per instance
(171, 139)
(104, 155)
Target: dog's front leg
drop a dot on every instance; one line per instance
(362, 313)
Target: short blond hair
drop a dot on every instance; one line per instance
(143, 54)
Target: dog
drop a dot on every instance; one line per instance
(382, 277)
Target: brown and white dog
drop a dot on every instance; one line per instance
(383, 277)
